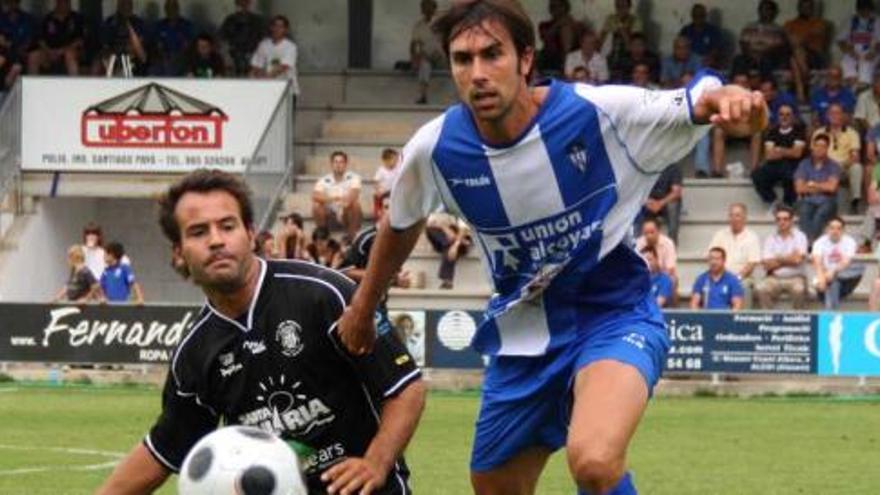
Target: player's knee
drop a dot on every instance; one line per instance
(493, 484)
(595, 470)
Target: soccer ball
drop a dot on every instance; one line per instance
(241, 460)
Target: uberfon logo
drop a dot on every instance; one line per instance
(153, 116)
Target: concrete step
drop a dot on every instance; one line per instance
(371, 86)
(309, 118)
(696, 231)
(378, 129)
(365, 166)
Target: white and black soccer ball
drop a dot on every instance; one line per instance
(241, 460)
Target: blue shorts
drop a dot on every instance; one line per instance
(527, 400)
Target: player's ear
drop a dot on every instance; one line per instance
(178, 263)
(527, 62)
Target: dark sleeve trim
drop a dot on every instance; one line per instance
(159, 457)
(401, 384)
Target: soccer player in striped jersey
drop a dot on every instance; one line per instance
(551, 178)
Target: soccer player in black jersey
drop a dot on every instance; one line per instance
(264, 352)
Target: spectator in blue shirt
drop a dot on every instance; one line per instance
(173, 36)
(832, 92)
(680, 62)
(705, 38)
(18, 27)
(117, 281)
(816, 181)
(662, 286)
(717, 288)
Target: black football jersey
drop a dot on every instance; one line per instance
(282, 368)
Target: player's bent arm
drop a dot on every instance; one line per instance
(695, 301)
(138, 473)
(400, 416)
(736, 303)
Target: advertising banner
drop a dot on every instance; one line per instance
(748, 342)
(92, 334)
(144, 125)
(849, 344)
(449, 337)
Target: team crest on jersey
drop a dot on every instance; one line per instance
(578, 156)
(289, 337)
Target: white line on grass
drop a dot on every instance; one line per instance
(40, 469)
(2, 390)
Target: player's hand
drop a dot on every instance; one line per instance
(354, 475)
(737, 111)
(357, 330)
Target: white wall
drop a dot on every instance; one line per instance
(38, 268)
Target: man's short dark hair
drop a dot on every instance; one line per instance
(652, 219)
(389, 153)
(341, 153)
(720, 250)
(822, 137)
(282, 18)
(115, 249)
(203, 181)
(837, 218)
(206, 37)
(467, 14)
(784, 208)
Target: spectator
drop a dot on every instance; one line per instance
(117, 281)
(174, 37)
(661, 283)
(836, 274)
(705, 38)
(741, 246)
(845, 148)
(559, 35)
(275, 57)
(784, 146)
(664, 247)
(641, 77)
(588, 57)
(717, 288)
(859, 43)
(720, 139)
(809, 35)
(582, 75)
(10, 67)
(425, 49)
(775, 98)
(290, 243)
(81, 286)
(664, 200)
(384, 177)
(832, 92)
(204, 61)
(325, 250)
(451, 238)
(767, 43)
(62, 38)
(18, 27)
(242, 31)
(93, 249)
(784, 254)
(621, 26)
(755, 67)
(680, 62)
(871, 223)
(336, 198)
(122, 34)
(816, 181)
(264, 245)
(638, 53)
(867, 113)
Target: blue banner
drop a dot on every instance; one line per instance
(849, 344)
(448, 339)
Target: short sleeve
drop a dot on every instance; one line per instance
(801, 172)
(356, 182)
(698, 285)
(289, 58)
(736, 288)
(767, 252)
(414, 194)
(258, 59)
(754, 249)
(182, 422)
(655, 126)
(129, 274)
(389, 368)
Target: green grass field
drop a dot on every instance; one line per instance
(60, 440)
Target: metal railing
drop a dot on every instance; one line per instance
(10, 139)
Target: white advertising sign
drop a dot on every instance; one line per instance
(144, 125)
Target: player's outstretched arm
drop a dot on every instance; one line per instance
(390, 250)
(139, 473)
(738, 111)
(400, 416)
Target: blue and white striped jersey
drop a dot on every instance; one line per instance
(552, 210)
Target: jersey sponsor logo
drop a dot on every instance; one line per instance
(481, 181)
(228, 366)
(578, 156)
(287, 409)
(635, 339)
(134, 119)
(289, 337)
(254, 346)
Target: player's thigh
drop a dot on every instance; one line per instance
(610, 397)
(517, 476)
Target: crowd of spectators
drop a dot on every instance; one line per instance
(64, 42)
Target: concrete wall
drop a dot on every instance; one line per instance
(320, 27)
(37, 268)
